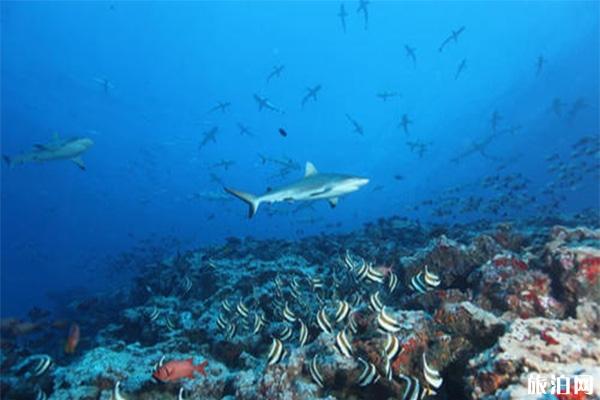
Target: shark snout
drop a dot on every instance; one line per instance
(356, 183)
(361, 181)
(85, 143)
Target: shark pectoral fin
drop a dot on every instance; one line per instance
(79, 162)
(333, 201)
(310, 169)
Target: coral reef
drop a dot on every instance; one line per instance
(395, 310)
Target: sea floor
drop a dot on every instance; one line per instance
(393, 310)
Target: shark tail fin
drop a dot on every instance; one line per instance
(7, 160)
(252, 201)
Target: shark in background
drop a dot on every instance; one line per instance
(263, 102)
(313, 186)
(343, 15)
(57, 149)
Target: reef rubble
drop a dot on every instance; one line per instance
(394, 310)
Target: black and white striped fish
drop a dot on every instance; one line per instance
(288, 314)
(362, 271)
(44, 362)
(159, 364)
(413, 390)
(432, 376)
(295, 295)
(276, 352)
(170, 323)
(431, 279)
(424, 282)
(315, 373)
(303, 333)
(187, 285)
(349, 262)
(342, 311)
(323, 322)
(278, 304)
(154, 314)
(392, 282)
(352, 325)
(343, 344)
(286, 334)
(242, 309)
(369, 373)
(222, 322)
(375, 303)
(231, 330)
(417, 284)
(226, 305)
(278, 282)
(387, 323)
(259, 322)
(392, 347)
(295, 284)
(316, 283)
(373, 275)
(41, 395)
(116, 394)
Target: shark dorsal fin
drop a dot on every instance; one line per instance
(310, 169)
(55, 137)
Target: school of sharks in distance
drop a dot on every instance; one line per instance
(511, 190)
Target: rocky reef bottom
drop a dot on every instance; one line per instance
(394, 310)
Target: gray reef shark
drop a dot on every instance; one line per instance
(57, 149)
(263, 102)
(311, 93)
(276, 72)
(342, 15)
(314, 186)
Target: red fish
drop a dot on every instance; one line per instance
(546, 337)
(177, 369)
(72, 339)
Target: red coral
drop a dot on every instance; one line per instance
(514, 262)
(547, 338)
(520, 264)
(541, 283)
(572, 395)
(591, 268)
(490, 382)
(404, 357)
(501, 262)
(534, 299)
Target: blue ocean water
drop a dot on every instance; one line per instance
(141, 78)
